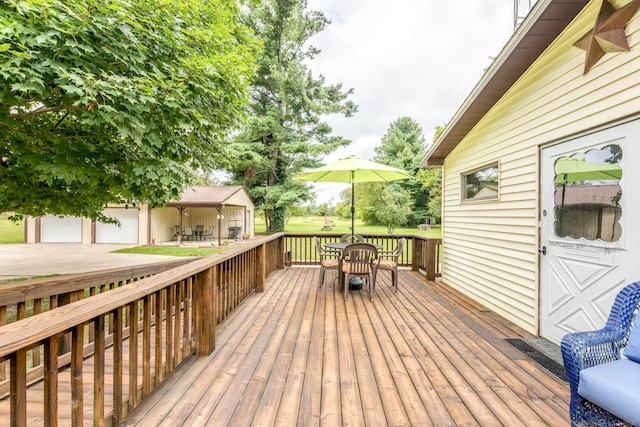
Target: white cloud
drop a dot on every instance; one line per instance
(416, 58)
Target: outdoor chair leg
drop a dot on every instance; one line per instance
(372, 286)
(345, 287)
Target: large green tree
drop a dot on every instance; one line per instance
(285, 133)
(431, 181)
(107, 101)
(403, 146)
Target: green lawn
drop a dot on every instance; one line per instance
(315, 224)
(10, 232)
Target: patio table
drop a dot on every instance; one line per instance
(340, 246)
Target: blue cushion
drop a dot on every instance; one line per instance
(632, 350)
(614, 386)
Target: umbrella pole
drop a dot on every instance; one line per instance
(353, 206)
(561, 222)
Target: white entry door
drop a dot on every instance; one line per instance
(590, 239)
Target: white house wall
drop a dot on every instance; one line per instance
(162, 223)
(490, 250)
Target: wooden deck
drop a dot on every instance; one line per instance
(296, 354)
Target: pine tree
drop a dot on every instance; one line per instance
(284, 133)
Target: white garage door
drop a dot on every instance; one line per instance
(61, 230)
(127, 232)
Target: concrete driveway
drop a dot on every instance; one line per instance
(26, 260)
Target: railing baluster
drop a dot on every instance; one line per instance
(133, 354)
(98, 370)
(51, 381)
(177, 354)
(146, 346)
(77, 356)
(171, 300)
(158, 371)
(118, 383)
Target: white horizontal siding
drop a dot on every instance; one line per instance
(490, 247)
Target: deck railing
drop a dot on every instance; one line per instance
(175, 314)
(23, 299)
(154, 323)
(420, 253)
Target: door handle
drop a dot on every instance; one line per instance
(543, 250)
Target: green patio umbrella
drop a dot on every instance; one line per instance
(351, 170)
(570, 169)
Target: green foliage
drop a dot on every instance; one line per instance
(431, 181)
(403, 147)
(395, 208)
(387, 204)
(284, 133)
(116, 101)
(342, 226)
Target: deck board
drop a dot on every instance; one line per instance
(425, 355)
(298, 354)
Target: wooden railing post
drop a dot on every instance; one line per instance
(261, 267)
(431, 259)
(416, 249)
(205, 316)
(281, 252)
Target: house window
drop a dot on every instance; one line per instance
(481, 184)
(588, 195)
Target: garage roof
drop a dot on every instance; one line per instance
(544, 24)
(207, 196)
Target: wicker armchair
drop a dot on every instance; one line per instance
(582, 350)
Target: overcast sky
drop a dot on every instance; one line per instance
(416, 58)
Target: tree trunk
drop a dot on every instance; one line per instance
(277, 220)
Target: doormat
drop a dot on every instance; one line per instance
(528, 348)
